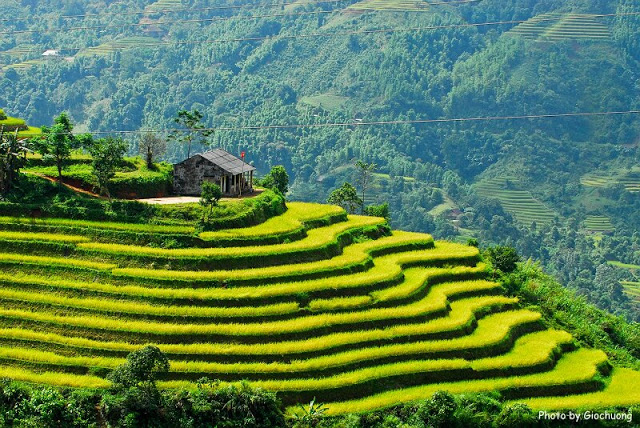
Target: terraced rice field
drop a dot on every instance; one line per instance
(313, 303)
(549, 27)
(163, 5)
(632, 289)
(12, 124)
(400, 5)
(630, 180)
(519, 203)
(598, 224)
(24, 65)
(125, 43)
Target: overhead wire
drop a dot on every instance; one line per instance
(241, 7)
(359, 32)
(359, 123)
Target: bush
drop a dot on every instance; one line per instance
(503, 258)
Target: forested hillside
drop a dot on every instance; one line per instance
(563, 189)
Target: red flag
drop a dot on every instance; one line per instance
(242, 155)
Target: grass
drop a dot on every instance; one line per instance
(550, 27)
(316, 239)
(352, 256)
(491, 331)
(122, 44)
(399, 5)
(386, 269)
(327, 102)
(530, 350)
(632, 289)
(21, 259)
(519, 203)
(162, 5)
(629, 178)
(134, 308)
(388, 320)
(297, 214)
(624, 265)
(621, 391)
(574, 368)
(601, 224)
(434, 302)
(47, 237)
(103, 225)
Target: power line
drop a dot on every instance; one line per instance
(240, 7)
(375, 123)
(182, 9)
(151, 24)
(358, 32)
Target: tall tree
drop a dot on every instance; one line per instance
(58, 141)
(12, 151)
(347, 197)
(277, 179)
(192, 131)
(151, 145)
(107, 154)
(365, 173)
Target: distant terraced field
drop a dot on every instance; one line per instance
(11, 124)
(549, 27)
(313, 303)
(630, 179)
(125, 43)
(163, 5)
(601, 224)
(519, 203)
(632, 289)
(400, 5)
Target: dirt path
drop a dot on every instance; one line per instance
(193, 199)
(67, 185)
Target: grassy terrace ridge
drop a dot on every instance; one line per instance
(386, 271)
(573, 369)
(87, 224)
(401, 5)
(531, 350)
(316, 238)
(630, 178)
(632, 289)
(598, 224)
(621, 391)
(310, 303)
(519, 203)
(435, 303)
(294, 220)
(492, 331)
(400, 249)
(556, 26)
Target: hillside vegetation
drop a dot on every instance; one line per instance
(131, 65)
(310, 303)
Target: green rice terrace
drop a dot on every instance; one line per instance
(598, 224)
(629, 178)
(122, 44)
(519, 203)
(13, 124)
(549, 27)
(399, 5)
(632, 289)
(311, 303)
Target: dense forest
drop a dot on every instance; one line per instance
(562, 189)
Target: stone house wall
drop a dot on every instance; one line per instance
(189, 175)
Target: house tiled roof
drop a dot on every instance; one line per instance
(227, 161)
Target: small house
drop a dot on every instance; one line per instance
(51, 54)
(232, 174)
